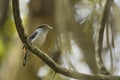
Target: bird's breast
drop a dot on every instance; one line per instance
(39, 40)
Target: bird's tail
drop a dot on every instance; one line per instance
(25, 51)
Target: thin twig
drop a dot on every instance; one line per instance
(108, 43)
(46, 58)
(98, 49)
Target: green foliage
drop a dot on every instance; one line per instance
(2, 48)
(7, 32)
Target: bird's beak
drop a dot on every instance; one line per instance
(49, 27)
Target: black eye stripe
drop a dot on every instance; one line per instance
(40, 27)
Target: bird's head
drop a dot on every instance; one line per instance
(45, 27)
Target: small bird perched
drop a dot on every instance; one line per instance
(37, 38)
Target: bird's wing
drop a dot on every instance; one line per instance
(30, 39)
(33, 36)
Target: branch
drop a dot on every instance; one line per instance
(46, 58)
(98, 49)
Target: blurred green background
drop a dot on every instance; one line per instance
(71, 43)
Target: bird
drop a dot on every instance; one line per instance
(37, 38)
